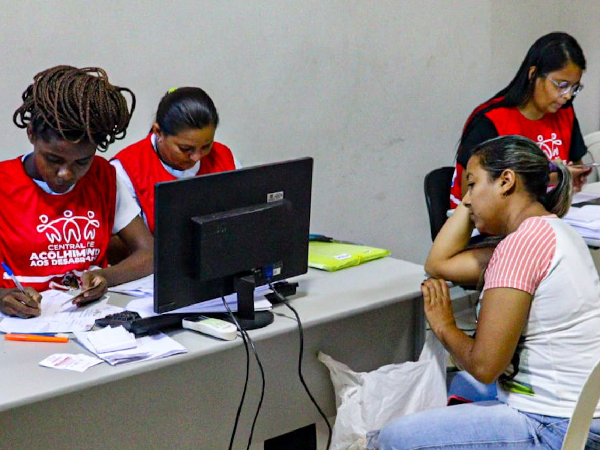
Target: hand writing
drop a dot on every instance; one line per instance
(13, 302)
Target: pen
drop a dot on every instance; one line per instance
(16, 281)
(12, 277)
(35, 338)
(44, 334)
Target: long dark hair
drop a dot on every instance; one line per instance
(549, 53)
(186, 108)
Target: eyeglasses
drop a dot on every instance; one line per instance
(564, 87)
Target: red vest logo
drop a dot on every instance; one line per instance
(71, 240)
(550, 146)
(69, 228)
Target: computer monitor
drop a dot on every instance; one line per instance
(228, 232)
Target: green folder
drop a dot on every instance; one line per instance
(332, 256)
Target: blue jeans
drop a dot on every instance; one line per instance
(479, 425)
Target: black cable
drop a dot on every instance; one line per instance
(262, 392)
(239, 410)
(284, 300)
(247, 339)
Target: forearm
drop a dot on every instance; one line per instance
(137, 265)
(462, 348)
(454, 235)
(450, 241)
(471, 354)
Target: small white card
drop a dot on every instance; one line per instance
(68, 361)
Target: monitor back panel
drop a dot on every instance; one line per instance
(181, 204)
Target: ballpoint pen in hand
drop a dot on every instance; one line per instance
(16, 281)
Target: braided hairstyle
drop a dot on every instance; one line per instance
(76, 105)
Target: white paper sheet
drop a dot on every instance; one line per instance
(145, 306)
(148, 347)
(143, 287)
(584, 196)
(587, 214)
(111, 339)
(58, 317)
(585, 220)
(67, 361)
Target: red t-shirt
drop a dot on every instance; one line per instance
(144, 168)
(553, 133)
(45, 236)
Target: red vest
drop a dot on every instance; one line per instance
(45, 236)
(145, 169)
(552, 133)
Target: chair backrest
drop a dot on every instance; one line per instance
(592, 142)
(437, 197)
(579, 426)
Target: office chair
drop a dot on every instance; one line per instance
(581, 420)
(437, 197)
(592, 142)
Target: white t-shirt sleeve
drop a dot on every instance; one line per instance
(126, 208)
(124, 177)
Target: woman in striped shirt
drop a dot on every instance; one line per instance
(538, 331)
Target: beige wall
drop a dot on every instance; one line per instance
(376, 91)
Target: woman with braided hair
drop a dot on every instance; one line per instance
(61, 203)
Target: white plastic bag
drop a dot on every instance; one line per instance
(368, 400)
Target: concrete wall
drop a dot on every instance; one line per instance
(376, 91)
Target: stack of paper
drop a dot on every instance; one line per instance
(148, 347)
(111, 339)
(586, 220)
(145, 306)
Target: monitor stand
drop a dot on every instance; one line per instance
(246, 316)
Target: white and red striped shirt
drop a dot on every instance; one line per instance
(560, 344)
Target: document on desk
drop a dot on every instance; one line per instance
(142, 287)
(145, 306)
(148, 347)
(586, 220)
(68, 361)
(583, 196)
(59, 316)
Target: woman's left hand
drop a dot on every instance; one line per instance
(93, 286)
(579, 175)
(437, 304)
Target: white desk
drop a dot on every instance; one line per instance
(365, 316)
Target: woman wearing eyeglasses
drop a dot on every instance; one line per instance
(536, 104)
